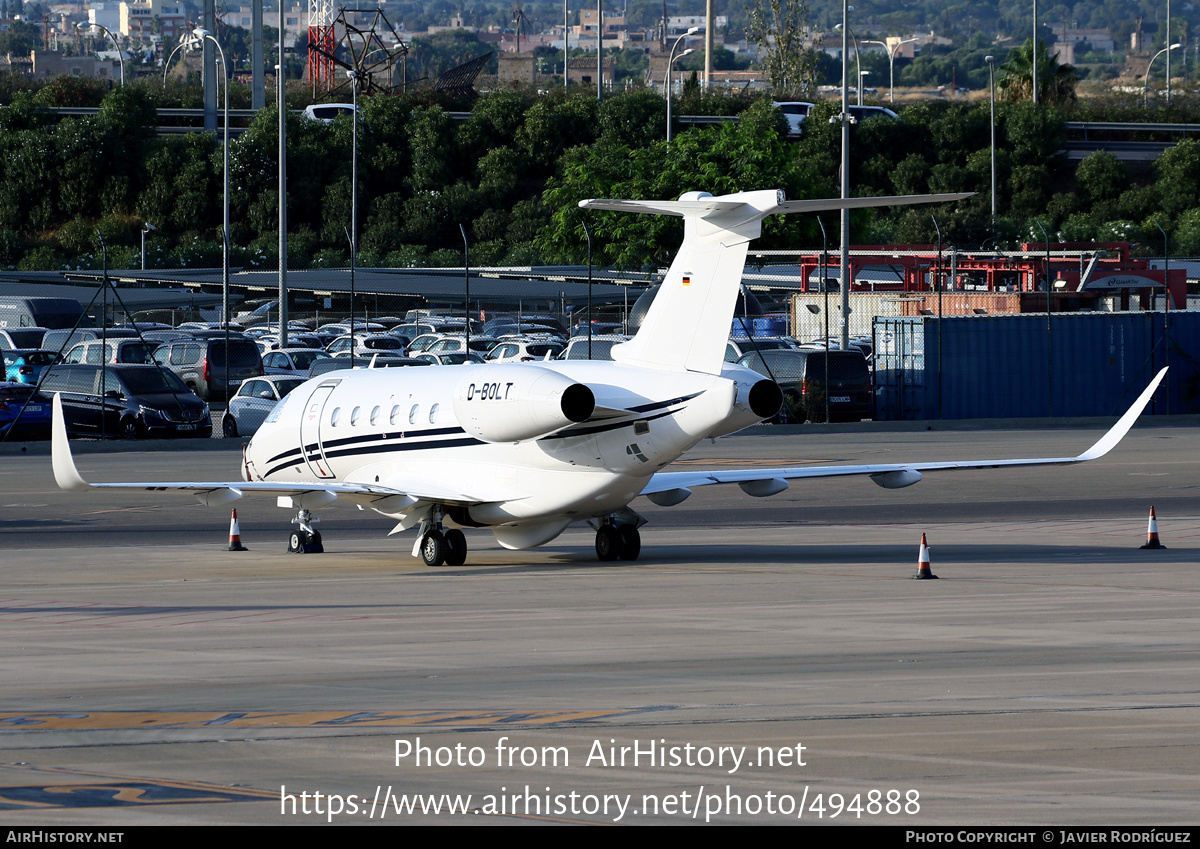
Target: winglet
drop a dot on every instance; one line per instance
(1117, 432)
(65, 474)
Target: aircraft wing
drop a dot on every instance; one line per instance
(673, 487)
(216, 493)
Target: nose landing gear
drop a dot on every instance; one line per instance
(305, 540)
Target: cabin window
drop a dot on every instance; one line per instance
(395, 414)
(374, 416)
(354, 416)
(433, 413)
(412, 414)
(337, 414)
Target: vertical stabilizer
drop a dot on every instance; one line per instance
(688, 324)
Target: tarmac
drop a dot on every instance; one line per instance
(764, 661)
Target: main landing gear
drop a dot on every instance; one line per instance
(618, 542)
(305, 540)
(436, 546)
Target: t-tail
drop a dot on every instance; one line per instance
(687, 326)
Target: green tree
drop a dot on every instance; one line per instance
(751, 154)
(1056, 83)
(777, 27)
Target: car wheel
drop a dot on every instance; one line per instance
(229, 426)
(131, 428)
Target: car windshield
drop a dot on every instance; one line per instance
(152, 381)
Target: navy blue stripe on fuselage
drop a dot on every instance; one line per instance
(588, 431)
(294, 453)
(380, 447)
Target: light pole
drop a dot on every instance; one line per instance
(104, 30)
(846, 119)
(202, 35)
(862, 80)
(667, 81)
(892, 50)
(1146, 81)
(148, 227)
(991, 63)
(353, 203)
(857, 56)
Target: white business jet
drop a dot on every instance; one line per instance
(525, 449)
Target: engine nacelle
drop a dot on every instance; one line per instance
(757, 398)
(515, 403)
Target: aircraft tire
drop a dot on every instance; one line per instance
(608, 543)
(433, 549)
(296, 542)
(456, 547)
(631, 542)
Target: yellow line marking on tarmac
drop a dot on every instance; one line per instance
(113, 720)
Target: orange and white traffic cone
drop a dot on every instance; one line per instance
(1152, 533)
(235, 535)
(924, 573)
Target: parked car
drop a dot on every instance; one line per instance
(523, 351)
(27, 366)
(292, 361)
(602, 345)
(326, 112)
(249, 408)
(801, 374)
(111, 351)
(126, 400)
(795, 111)
(21, 337)
(201, 364)
(24, 413)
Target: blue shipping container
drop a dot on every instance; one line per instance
(1000, 366)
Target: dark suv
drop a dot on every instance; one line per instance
(200, 363)
(126, 400)
(807, 392)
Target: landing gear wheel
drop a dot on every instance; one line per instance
(433, 548)
(296, 542)
(608, 543)
(456, 547)
(631, 542)
(229, 426)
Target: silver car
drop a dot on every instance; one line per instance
(249, 408)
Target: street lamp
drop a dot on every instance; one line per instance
(104, 29)
(354, 205)
(148, 227)
(670, 61)
(991, 63)
(892, 50)
(857, 55)
(201, 35)
(862, 81)
(1146, 81)
(846, 119)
